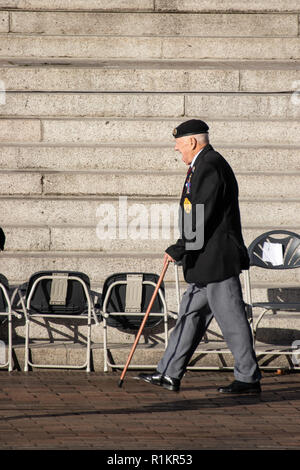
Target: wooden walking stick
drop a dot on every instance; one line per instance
(166, 264)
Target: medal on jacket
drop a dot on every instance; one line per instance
(187, 205)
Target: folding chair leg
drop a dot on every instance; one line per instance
(10, 367)
(88, 353)
(26, 359)
(105, 345)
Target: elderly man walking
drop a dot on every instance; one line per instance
(210, 268)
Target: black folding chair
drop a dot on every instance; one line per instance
(58, 294)
(273, 250)
(125, 298)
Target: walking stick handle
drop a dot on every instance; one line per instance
(166, 264)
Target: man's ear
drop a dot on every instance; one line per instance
(193, 143)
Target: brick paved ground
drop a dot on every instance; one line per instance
(74, 410)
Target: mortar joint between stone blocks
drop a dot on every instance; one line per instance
(50, 239)
(239, 80)
(42, 184)
(41, 130)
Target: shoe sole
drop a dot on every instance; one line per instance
(170, 387)
(160, 384)
(246, 392)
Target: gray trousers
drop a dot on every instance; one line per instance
(224, 301)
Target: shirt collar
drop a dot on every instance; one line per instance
(195, 158)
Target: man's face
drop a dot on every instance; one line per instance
(186, 146)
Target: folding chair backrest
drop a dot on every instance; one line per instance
(276, 249)
(131, 296)
(61, 296)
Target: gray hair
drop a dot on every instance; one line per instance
(202, 138)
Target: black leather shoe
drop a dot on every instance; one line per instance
(238, 387)
(154, 379)
(162, 380)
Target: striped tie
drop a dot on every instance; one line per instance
(187, 177)
(188, 173)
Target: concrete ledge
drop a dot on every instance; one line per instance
(160, 5)
(212, 106)
(92, 131)
(21, 74)
(94, 47)
(116, 47)
(146, 357)
(98, 266)
(269, 80)
(243, 158)
(92, 5)
(68, 338)
(282, 328)
(93, 104)
(241, 105)
(231, 48)
(82, 211)
(119, 77)
(156, 24)
(227, 6)
(260, 185)
(71, 238)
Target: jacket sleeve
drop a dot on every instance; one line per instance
(206, 190)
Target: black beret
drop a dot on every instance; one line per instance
(191, 127)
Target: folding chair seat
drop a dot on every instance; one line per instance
(273, 250)
(58, 295)
(125, 298)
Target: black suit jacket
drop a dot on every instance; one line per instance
(2, 239)
(223, 253)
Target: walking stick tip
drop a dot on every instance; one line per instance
(121, 383)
